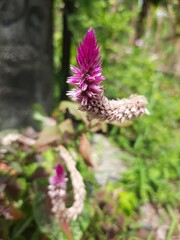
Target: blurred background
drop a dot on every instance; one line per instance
(140, 47)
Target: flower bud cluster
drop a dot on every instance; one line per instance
(116, 110)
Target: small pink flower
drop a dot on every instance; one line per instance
(139, 42)
(87, 76)
(60, 177)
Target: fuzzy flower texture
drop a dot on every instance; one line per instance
(88, 92)
(57, 190)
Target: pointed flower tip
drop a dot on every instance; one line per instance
(88, 75)
(59, 177)
(59, 170)
(91, 30)
(91, 35)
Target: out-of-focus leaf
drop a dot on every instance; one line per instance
(17, 166)
(127, 201)
(39, 109)
(143, 234)
(96, 125)
(66, 228)
(48, 135)
(85, 150)
(49, 156)
(4, 168)
(13, 190)
(46, 121)
(30, 132)
(80, 226)
(73, 109)
(16, 213)
(120, 124)
(39, 173)
(46, 222)
(41, 203)
(66, 126)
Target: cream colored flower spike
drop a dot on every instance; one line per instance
(57, 189)
(116, 110)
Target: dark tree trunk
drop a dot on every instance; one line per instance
(141, 19)
(26, 69)
(66, 47)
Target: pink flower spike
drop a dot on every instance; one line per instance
(88, 72)
(60, 177)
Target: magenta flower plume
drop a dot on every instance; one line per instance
(87, 76)
(59, 178)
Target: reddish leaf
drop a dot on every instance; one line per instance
(7, 169)
(65, 226)
(85, 150)
(42, 149)
(142, 234)
(4, 167)
(16, 213)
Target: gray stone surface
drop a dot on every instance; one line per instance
(108, 159)
(26, 75)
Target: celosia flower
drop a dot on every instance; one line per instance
(59, 178)
(87, 76)
(57, 189)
